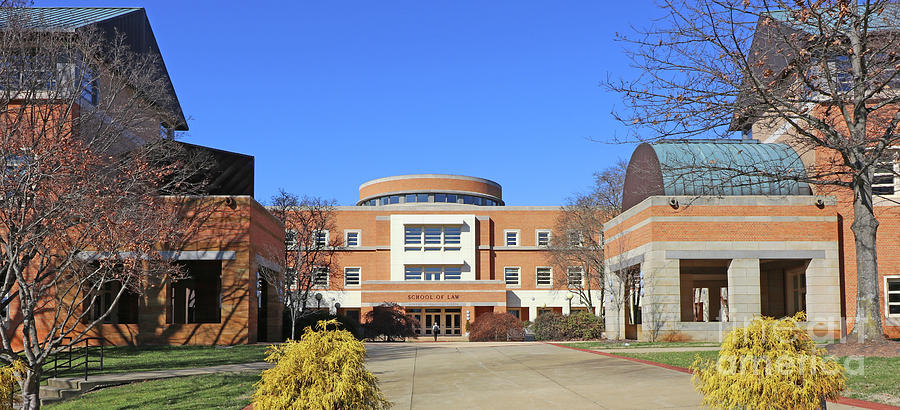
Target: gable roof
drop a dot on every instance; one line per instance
(775, 45)
(64, 18)
(130, 21)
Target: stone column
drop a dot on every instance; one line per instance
(743, 290)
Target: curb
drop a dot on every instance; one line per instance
(840, 400)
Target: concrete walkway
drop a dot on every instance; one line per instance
(523, 375)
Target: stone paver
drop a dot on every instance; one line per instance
(523, 375)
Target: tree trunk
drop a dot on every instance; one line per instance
(865, 227)
(31, 390)
(293, 322)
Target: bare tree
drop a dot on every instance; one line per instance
(820, 76)
(311, 251)
(579, 253)
(90, 190)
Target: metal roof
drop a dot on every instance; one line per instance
(63, 18)
(887, 19)
(716, 168)
(132, 22)
(713, 168)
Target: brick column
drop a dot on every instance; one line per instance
(743, 290)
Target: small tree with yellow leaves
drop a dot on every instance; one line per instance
(770, 364)
(9, 384)
(325, 369)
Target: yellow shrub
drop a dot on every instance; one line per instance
(770, 364)
(9, 384)
(325, 369)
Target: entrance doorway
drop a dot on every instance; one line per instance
(448, 319)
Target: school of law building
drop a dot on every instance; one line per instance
(446, 248)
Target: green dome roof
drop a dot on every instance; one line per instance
(713, 168)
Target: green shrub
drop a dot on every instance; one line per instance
(577, 326)
(548, 326)
(771, 364)
(495, 327)
(325, 369)
(309, 321)
(389, 322)
(582, 325)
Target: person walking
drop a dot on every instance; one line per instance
(435, 330)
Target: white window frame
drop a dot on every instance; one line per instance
(421, 246)
(506, 237)
(422, 269)
(895, 173)
(347, 233)
(537, 236)
(569, 276)
(327, 284)
(518, 283)
(571, 243)
(358, 279)
(316, 238)
(537, 277)
(887, 299)
(293, 244)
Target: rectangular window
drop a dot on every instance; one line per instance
(352, 238)
(412, 236)
(320, 239)
(290, 239)
(351, 276)
(512, 237)
(452, 272)
(511, 274)
(542, 237)
(452, 198)
(197, 298)
(576, 238)
(892, 295)
(576, 276)
(440, 197)
(433, 235)
(432, 238)
(413, 273)
(432, 272)
(125, 312)
(452, 235)
(320, 277)
(544, 276)
(422, 198)
(883, 181)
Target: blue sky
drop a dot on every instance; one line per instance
(329, 94)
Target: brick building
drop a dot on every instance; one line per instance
(447, 248)
(220, 299)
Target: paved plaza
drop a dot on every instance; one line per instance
(455, 375)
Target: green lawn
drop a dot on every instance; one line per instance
(632, 345)
(220, 391)
(136, 359)
(878, 380)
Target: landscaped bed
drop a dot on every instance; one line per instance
(226, 390)
(878, 380)
(137, 359)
